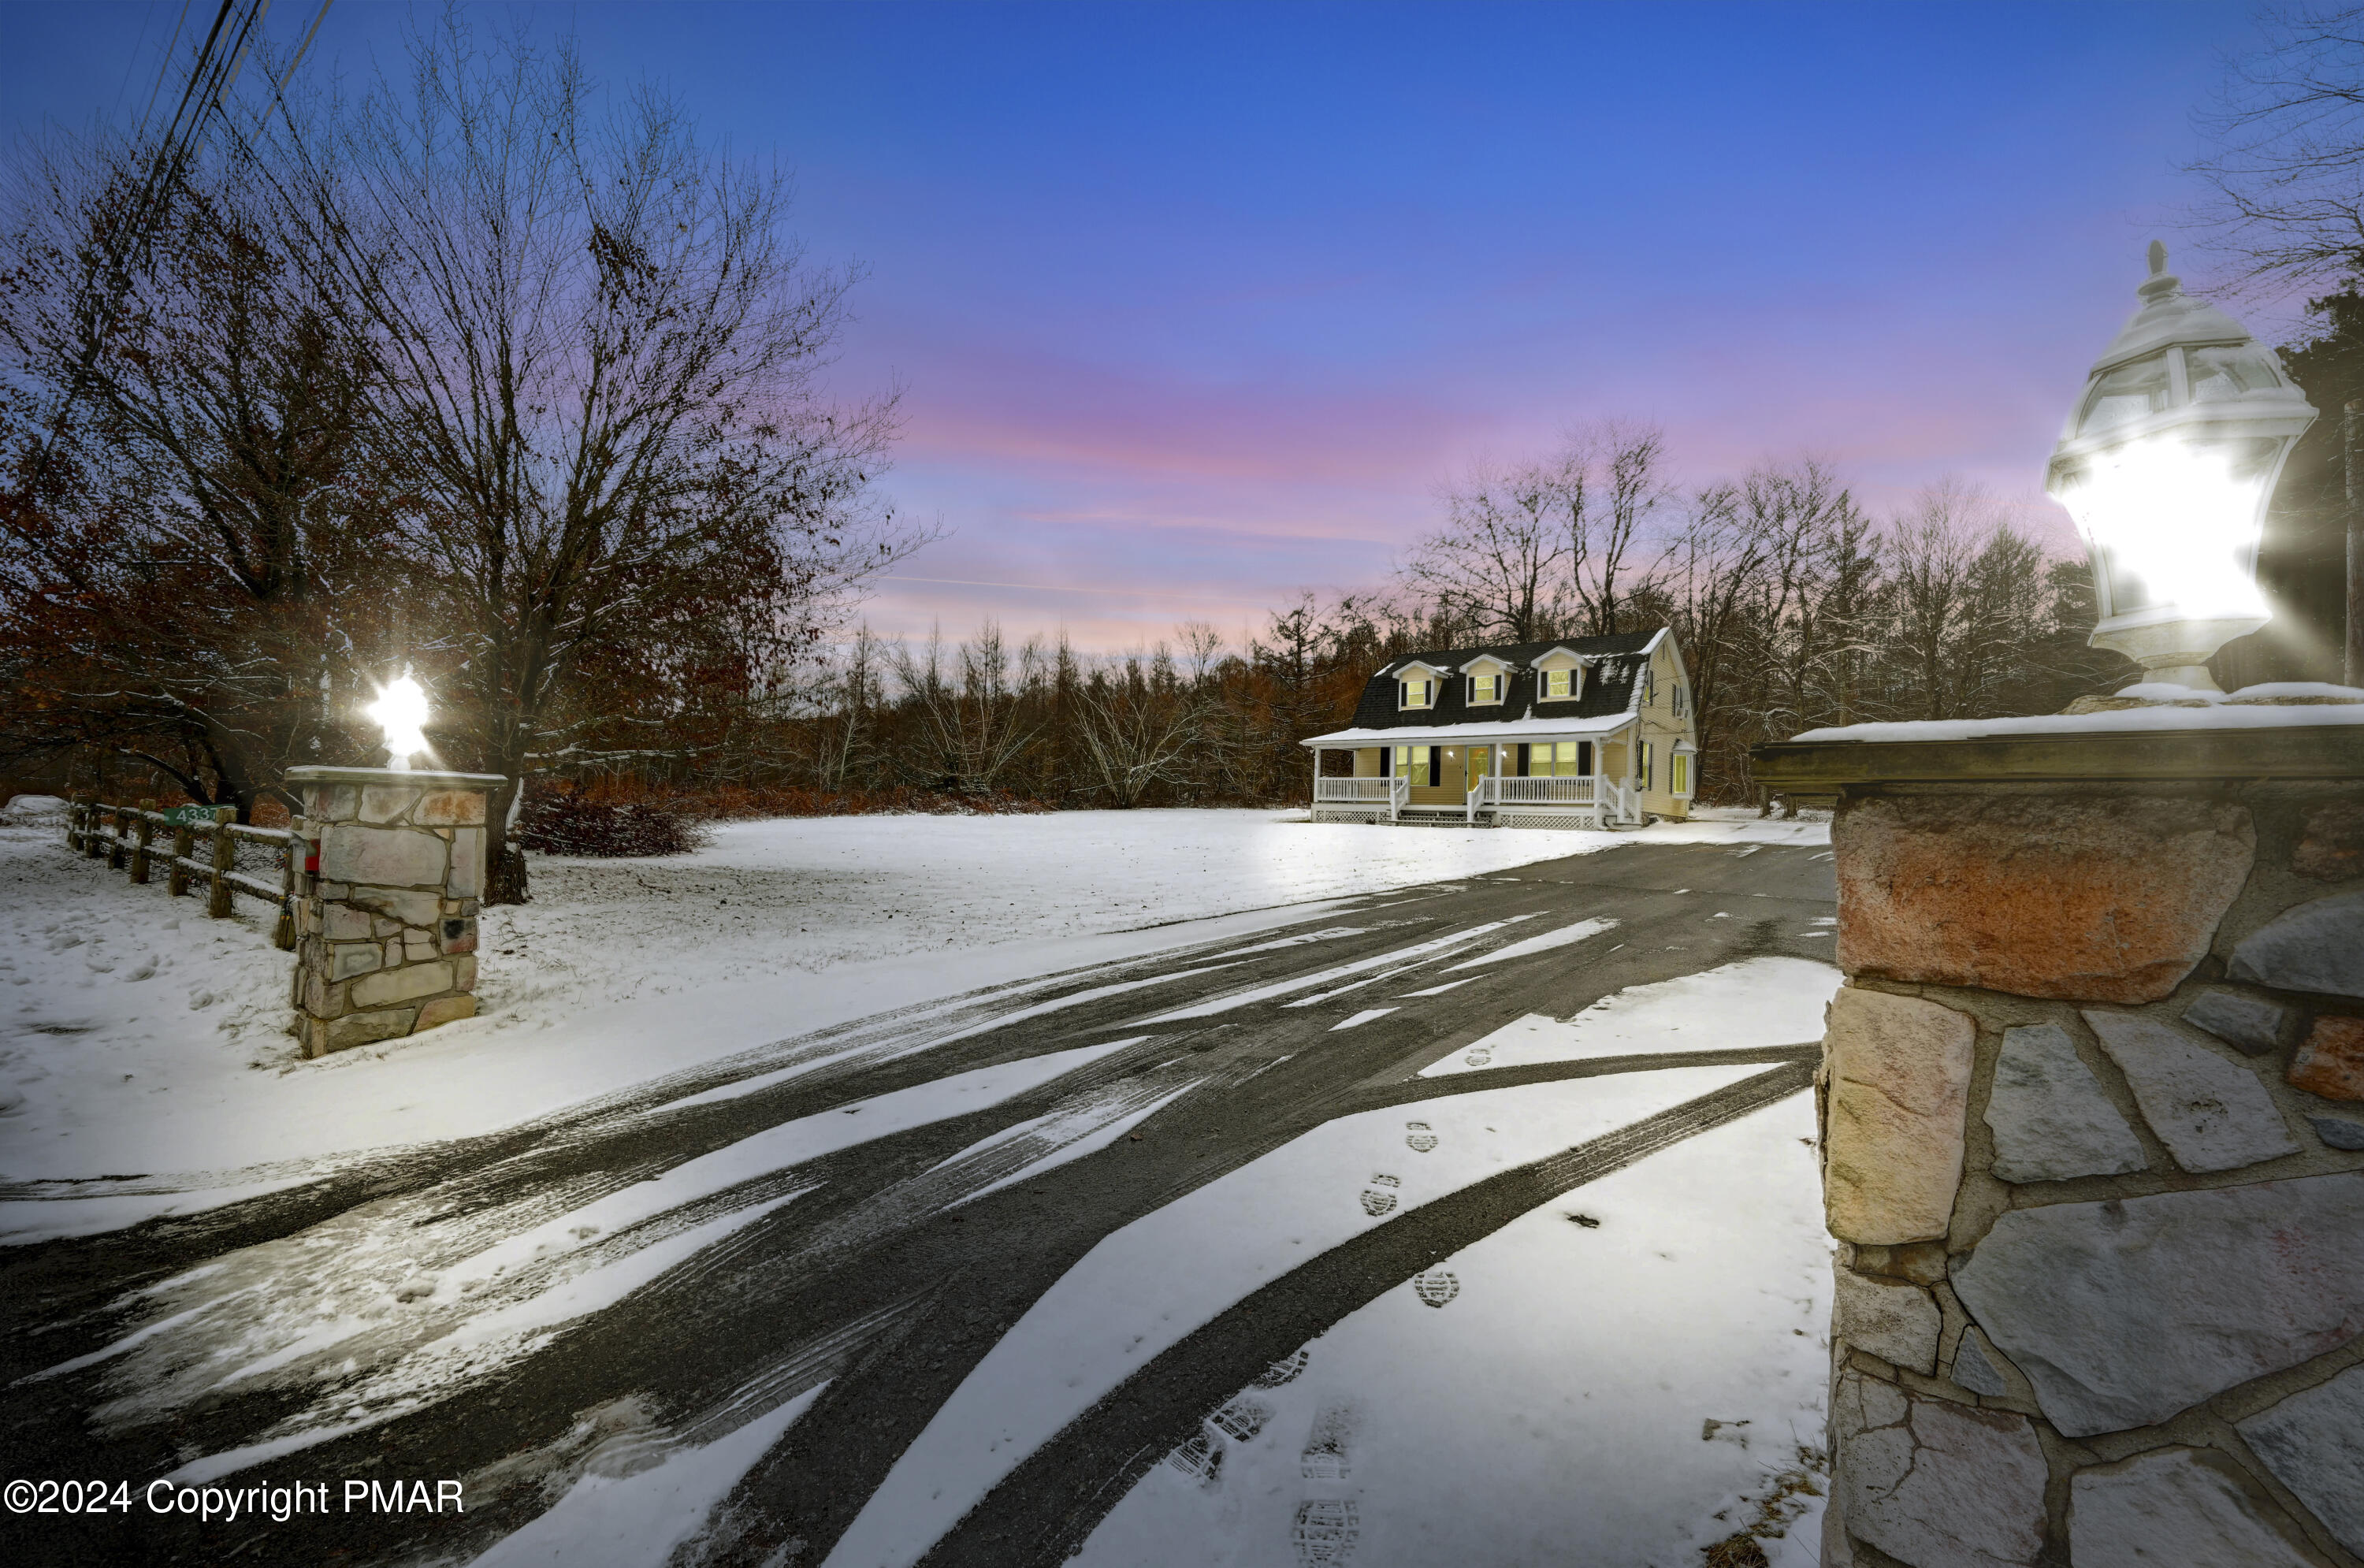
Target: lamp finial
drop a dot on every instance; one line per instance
(2162, 285)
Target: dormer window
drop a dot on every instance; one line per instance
(1560, 684)
(1484, 689)
(1415, 692)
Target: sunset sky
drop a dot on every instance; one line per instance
(1197, 305)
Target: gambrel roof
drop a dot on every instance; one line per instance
(1612, 665)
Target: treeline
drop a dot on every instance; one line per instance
(484, 374)
(479, 372)
(1794, 608)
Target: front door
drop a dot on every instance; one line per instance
(1480, 757)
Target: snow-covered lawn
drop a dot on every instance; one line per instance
(1614, 1378)
(138, 1036)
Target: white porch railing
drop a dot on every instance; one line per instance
(1392, 793)
(1541, 792)
(1590, 792)
(1593, 793)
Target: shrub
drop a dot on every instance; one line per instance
(561, 822)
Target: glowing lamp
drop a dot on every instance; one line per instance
(400, 712)
(2167, 465)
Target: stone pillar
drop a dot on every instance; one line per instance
(2093, 1110)
(385, 920)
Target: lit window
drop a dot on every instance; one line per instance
(1414, 693)
(1556, 683)
(1412, 764)
(1486, 688)
(1679, 773)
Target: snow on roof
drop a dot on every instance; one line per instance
(1481, 732)
(2251, 707)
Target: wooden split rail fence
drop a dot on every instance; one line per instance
(125, 835)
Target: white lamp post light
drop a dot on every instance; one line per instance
(2167, 465)
(400, 712)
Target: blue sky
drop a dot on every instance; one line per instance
(1196, 306)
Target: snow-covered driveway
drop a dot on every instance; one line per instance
(1470, 1221)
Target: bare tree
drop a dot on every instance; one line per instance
(1140, 727)
(2287, 170)
(1496, 563)
(199, 529)
(1805, 523)
(1971, 602)
(1700, 589)
(598, 357)
(847, 700)
(977, 717)
(1612, 486)
(1202, 645)
(1295, 635)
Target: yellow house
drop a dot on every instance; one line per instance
(1586, 732)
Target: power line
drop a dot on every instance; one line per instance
(278, 88)
(204, 52)
(163, 69)
(147, 17)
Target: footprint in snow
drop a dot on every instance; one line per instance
(1436, 1287)
(1199, 1459)
(1329, 1451)
(1378, 1201)
(1418, 1138)
(1325, 1531)
(1243, 1418)
(1284, 1370)
(1479, 1058)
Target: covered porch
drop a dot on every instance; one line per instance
(1524, 773)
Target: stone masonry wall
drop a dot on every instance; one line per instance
(2094, 1137)
(386, 931)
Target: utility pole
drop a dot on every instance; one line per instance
(2353, 432)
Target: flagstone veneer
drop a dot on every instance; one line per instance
(1897, 1072)
(385, 919)
(2152, 1227)
(2104, 900)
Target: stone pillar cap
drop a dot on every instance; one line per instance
(308, 774)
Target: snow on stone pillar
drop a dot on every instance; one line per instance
(2093, 1113)
(385, 917)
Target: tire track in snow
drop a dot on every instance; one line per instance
(1041, 1513)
